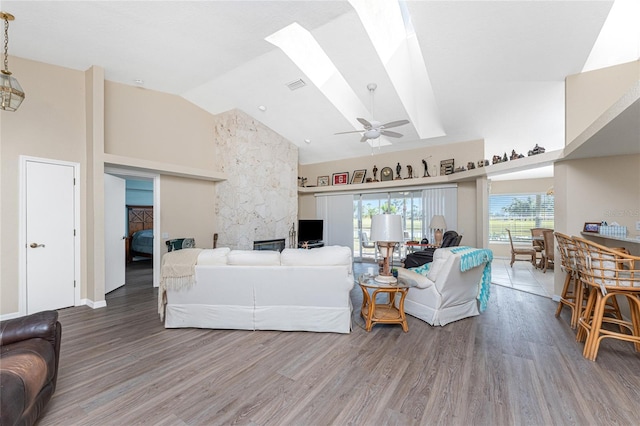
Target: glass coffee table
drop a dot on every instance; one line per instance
(382, 313)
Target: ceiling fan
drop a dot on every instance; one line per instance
(374, 129)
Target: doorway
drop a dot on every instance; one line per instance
(141, 189)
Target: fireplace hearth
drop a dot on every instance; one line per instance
(274, 245)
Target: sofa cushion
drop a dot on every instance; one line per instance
(253, 258)
(322, 256)
(216, 256)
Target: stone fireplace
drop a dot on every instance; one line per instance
(259, 200)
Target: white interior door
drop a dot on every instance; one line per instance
(50, 236)
(114, 232)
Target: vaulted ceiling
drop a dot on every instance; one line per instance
(458, 71)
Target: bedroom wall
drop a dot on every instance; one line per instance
(139, 192)
(259, 200)
(49, 124)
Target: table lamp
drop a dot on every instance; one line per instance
(438, 223)
(386, 231)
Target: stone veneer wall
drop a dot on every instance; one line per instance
(259, 200)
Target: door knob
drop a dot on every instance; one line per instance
(35, 245)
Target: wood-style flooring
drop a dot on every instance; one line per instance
(515, 364)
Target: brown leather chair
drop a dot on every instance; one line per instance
(29, 357)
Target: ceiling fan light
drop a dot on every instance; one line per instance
(11, 92)
(372, 134)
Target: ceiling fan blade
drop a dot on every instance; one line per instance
(364, 138)
(353, 131)
(391, 134)
(394, 124)
(364, 122)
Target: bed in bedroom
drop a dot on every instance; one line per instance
(140, 239)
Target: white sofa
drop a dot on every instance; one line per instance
(456, 285)
(266, 290)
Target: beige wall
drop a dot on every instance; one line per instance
(188, 209)
(49, 124)
(590, 94)
(66, 116)
(157, 126)
(597, 189)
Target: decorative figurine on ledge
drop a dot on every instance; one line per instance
(496, 159)
(482, 163)
(515, 155)
(471, 165)
(505, 158)
(426, 168)
(302, 181)
(409, 171)
(398, 171)
(536, 150)
(375, 172)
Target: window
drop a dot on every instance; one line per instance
(519, 213)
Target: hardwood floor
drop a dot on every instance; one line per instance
(514, 364)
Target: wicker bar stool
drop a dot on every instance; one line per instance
(572, 288)
(599, 268)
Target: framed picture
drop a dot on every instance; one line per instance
(340, 178)
(323, 180)
(358, 176)
(591, 227)
(446, 167)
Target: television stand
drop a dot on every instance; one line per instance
(310, 245)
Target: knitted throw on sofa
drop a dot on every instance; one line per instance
(472, 257)
(177, 272)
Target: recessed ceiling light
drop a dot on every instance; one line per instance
(139, 82)
(262, 108)
(307, 141)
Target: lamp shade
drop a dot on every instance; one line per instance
(438, 222)
(386, 227)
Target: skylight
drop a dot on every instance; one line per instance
(619, 39)
(389, 27)
(304, 50)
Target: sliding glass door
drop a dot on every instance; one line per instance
(348, 216)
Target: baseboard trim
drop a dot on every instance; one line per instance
(10, 316)
(555, 298)
(94, 305)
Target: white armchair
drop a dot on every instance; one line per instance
(456, 285)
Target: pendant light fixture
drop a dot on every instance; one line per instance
(12, 93)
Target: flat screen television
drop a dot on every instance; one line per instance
(310, 230)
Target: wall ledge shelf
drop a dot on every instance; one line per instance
(520, 164)
(162, 168)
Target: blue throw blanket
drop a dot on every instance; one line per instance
(471, 257)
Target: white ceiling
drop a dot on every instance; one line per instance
(496, 68)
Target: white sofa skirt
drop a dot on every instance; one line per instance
(288, 298)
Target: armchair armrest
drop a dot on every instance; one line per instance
(42, 325)
(414, 279)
